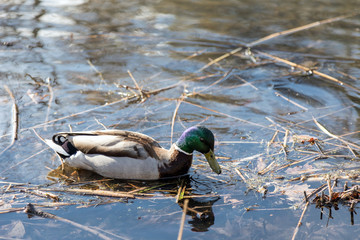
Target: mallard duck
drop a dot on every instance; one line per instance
(131, 155)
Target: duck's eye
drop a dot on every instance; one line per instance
(202, 140)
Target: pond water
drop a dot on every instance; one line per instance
(75, 65)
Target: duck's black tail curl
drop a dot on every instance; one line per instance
(65, 144)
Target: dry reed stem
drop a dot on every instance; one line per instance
(42, 139)
(230, 116)
(325, 115)
(197, 53)
(15, 120)
(348, 144)
(329, 188)
(178, 103)
(25, 160)
(103, 193)
(9, 210)
(102, 80)
(240, 174)
(30, 209)
(137, 85)
(51, 92)
(271, 36)
(300, 221)
(266, 169)
(41, 194)
(246, 82)
(182, 222)
(291, 101)
(224, 77)
(309, 70)
(301, 28)
(220, 58)
(79, 113)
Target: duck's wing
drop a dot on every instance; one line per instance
(115, 143)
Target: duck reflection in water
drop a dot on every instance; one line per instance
(201, 212)
(199, 208)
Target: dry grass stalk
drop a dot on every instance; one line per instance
(97, 71)
(178, 103)
(220, 58)
(291, 101)
(31, 210)
(104, 193)
(227, 115)
(298, 29)
(274, 35)
(181, 192)
(266, 169)
(182, 223)
(246, 82)
(79, 113)
(137, 86)
(348, 144)
(224, 77)
(309, 70)
(15, 120)
(240, 174)
(300, 221)
(41, 194)
(42, 139)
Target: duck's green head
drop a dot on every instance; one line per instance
(202, 140)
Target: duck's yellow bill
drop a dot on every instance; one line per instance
(210, 157)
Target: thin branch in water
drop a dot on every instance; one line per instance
(227, 115)
(100, 123)
(32, 211)
(287, 32)
(240, 174)
(301, 28)
(42, 139)
(197, 53)
(348, 144)
(182, 223)
(137, 85)
(15, 120)
(300, 221)
(79, 113)
(309, 70)
(102, 80)
(178, 103)
(291, 101)
(220, 58)
(51, 92)
(246, 82)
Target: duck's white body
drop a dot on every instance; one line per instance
(120, 154)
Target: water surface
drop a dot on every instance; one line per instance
(67, 65)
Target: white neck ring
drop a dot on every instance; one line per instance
(180, 150)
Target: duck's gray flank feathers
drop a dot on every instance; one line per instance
(116, 143)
